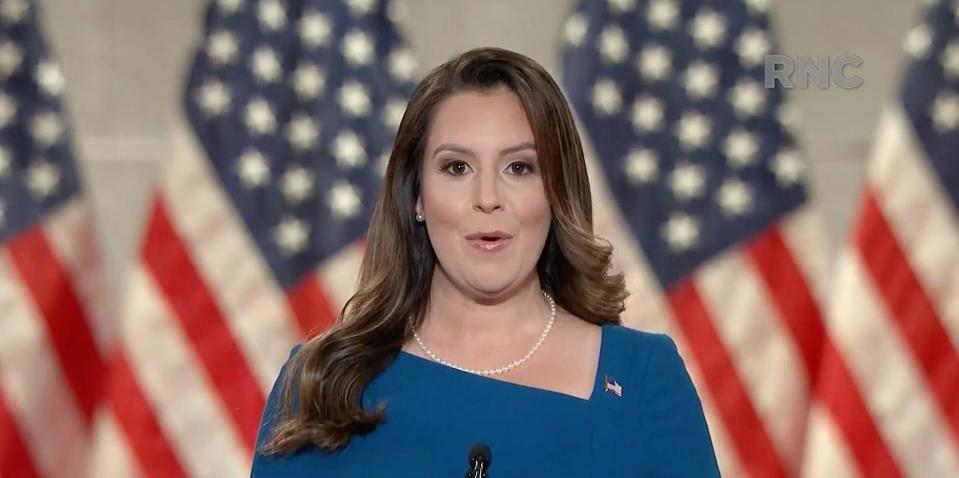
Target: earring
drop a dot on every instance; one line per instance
(419, 217)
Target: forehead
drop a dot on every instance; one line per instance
(480, 117)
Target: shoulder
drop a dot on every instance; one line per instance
(634, 347)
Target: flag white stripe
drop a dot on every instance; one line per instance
(888, 376)
(760, 347)
(110, 455)
(826, 452)
(918, 211)
(72, 236)
(178, 391)
(345, 263)
(228, 261)
(803, 231)
(34, 384)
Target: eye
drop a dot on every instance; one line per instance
(521, 168)
(458, 167)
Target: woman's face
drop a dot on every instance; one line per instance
(481, 175)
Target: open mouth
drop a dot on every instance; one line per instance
(489, 244)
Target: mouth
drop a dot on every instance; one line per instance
(491, 242)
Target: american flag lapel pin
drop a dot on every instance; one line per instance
(612, 386)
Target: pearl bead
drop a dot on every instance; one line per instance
(505, 368)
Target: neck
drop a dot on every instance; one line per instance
(468, 319)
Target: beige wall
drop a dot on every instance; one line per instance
(125, 60)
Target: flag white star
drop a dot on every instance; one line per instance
(700, 80)
(42, 179)
(291, 235)
(753, 46)
(361, 7)
(266, 67)
(574, 32)
(357, 48)
(393, 113)
(402, 64)
(8, 109)
(253, 169)
(741, 148)
(606, 98)
(655, 63)
(46, 128)
(344, 200)
(708, 29)
(315, 29)
(681, 232)
(308, 81)
(687, 181)
(259, 117)
(945, 112)
(49, 78)
(759, 6)
(348, 150)
(662, 14)
(10, 58)
(613, 46)
(302, 132)
(788, 115)
(213, 98)
(950, 59)
(918, 41)
(4, 161)
(13, 11)
(296, 184)
(271, 15)
(641, 166)
(221, 47)
(382, 164)
(748, 98)
(694, 130)
(788, 167)
(354, 99)
(229, 7)
(735, 198)
(647, 114)
(621, 6)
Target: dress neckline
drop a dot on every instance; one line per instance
(598, 380)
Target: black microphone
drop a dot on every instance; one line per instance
(480, 459)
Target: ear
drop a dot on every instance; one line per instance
(419, 205)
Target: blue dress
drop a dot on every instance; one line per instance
(653, 427)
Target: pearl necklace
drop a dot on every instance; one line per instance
(505, 368)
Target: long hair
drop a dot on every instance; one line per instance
(320, 401)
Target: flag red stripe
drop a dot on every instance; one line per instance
(136, 418)
(48, 283)
(752, 441)
(312, 309)
(910, 307)
(14, 458)
(789, 290)
(836, 388)
(203, 322)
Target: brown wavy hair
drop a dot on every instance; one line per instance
(320, 401)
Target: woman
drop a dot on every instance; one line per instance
(485, 313)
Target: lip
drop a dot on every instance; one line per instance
(491, 247)
(481, 235)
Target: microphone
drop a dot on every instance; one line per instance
(480, 458)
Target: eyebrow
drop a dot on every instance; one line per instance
(460, 149)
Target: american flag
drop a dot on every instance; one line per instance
(53, 328)
(709, 213)
(256, 231)
(895, 312)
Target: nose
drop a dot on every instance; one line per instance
(486, 191)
